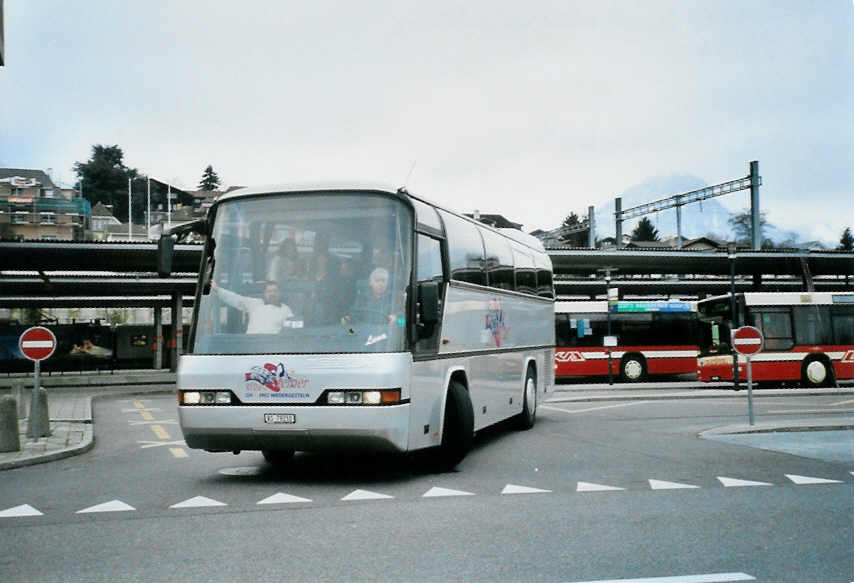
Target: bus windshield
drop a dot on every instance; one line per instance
(306, 273)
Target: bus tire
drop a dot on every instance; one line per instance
(632, 368)
(528, 416)
(458, 427)
(278, 457)
(816, 372)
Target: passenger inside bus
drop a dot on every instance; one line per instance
(376, 306)
(266, 316)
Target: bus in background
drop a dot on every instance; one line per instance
(808, 336)
(653, 338)
(334, 318)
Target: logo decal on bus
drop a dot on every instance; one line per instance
(849, 356)
(495, 322)
(569, 356)
(275, 378)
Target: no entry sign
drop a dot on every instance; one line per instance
(37, 343)
(747, 340)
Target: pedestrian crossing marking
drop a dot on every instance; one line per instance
(514, 489)
(111, 506)
(663, 485)
(282, 498)
(735, 483)
(17, 511)
(198, 502)
(437, 492)
(805, 480)
(365, 495)
(590, 487)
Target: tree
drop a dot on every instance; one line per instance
(210, 180)
(105, 179)
(743, 231)
(846, 242)
(571, 221)
(645, 231)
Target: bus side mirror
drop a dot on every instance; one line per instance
(165, 246)
(428, 302)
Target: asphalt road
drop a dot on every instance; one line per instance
(596, 491)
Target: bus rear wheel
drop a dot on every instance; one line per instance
(815, 372)
(278, 457)
(458, 427)
(528, 416)
(632, 368)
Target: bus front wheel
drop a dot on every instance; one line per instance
(458, 427)
(632, 368)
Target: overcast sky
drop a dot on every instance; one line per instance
(527, 109)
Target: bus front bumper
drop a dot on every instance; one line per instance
(330, 429)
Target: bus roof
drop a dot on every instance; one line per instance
(789, 298)
(310, 187)
(623, 307)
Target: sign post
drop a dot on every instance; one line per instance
(747, 341)
(36, 343)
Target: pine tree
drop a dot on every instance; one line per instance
(846, 242)
(210, 180)
(645, 231)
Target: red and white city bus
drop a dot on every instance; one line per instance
(653, 338)
(808, 336)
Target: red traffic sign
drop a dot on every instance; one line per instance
(37, 343)
(747, 340)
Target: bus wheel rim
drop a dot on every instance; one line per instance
(531, 395)
(816, 371)
(633, 369)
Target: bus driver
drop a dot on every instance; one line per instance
(266, 316)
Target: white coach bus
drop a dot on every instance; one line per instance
(330, 318)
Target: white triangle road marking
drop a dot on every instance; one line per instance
(805, 480)
(282, 498)
(365, 495)
(734, 482)
(591, 487)
(662, 485)
(22, 510)
(198, 502)
(436, 492)
(514, 489)
(111, 506)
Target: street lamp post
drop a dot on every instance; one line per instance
(731, 254)
(608, 338)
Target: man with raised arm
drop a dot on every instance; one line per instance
(266, 316)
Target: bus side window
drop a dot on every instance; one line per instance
(429, 268)
(843, 324)
(562, 331)
(465, 250)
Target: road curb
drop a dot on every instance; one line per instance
(88, 441)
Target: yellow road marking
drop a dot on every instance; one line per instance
(178, 452)
(848, 402)
(552, 408)
(147, 416)
(159, 431)
(138, 405)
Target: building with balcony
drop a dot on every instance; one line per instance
(33, 207)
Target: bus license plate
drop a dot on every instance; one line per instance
(279, 418)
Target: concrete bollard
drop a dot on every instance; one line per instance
(9, 438)
(19, 392)
(44, 417)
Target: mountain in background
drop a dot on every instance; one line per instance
(707, 218)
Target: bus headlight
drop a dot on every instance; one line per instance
(204, 398)
(369, 397)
